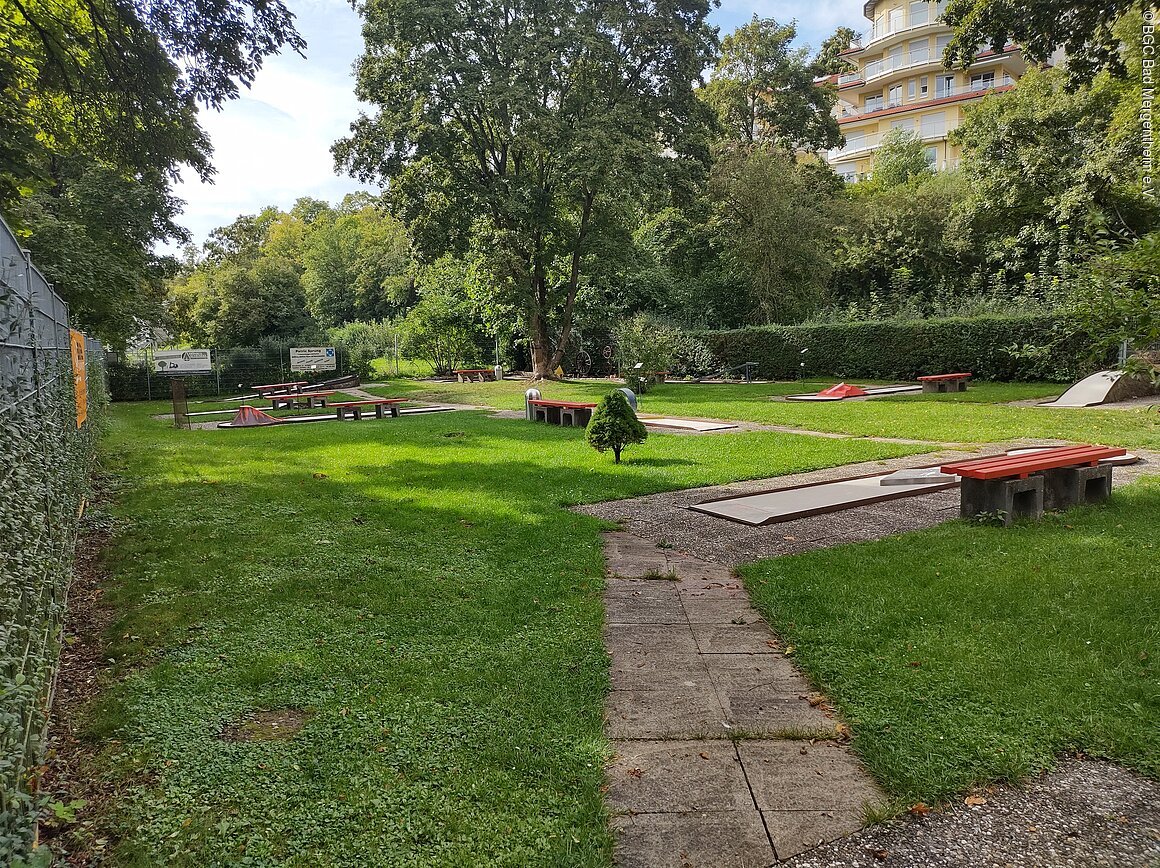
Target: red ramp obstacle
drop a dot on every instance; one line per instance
(842, 390)
(249, 417)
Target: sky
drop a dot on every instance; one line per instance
(272, 145)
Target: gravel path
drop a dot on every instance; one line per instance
(1085, 813)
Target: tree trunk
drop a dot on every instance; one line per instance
(541, 346)
(616, 454)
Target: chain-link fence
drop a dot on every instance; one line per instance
(133, 375)
(51, 388)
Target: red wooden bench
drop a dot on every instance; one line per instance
(392, 404)
(945, 382)
(574, 413)
(299, 399)
(1025, 485)
(466, 375)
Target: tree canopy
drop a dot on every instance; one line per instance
(527, 130)
(1083, 28)
(763, 89)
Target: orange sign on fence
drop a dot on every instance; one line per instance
(80, 379)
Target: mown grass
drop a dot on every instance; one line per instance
(979, 415)
(968, 653)
(416, 588)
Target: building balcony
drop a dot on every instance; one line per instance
(882, 105)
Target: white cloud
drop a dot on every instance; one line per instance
(272, 145)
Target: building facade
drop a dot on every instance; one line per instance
(900, 82)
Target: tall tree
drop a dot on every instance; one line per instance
(774, 221)
(764, 90)
(829, 60)
(523, 128)
(106, 92)
(1084, 28)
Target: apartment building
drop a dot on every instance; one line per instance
(900, 82)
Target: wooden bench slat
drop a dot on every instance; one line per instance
(1000, 467)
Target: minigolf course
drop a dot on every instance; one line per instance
(844, 391)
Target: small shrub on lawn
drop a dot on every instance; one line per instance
(614, 425)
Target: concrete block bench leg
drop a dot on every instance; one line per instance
(1068, 486)
(567, 417)
(962, 384)
(394, 411)
(931, 387)
(554, 416)
(1010, 498)
(583, 417)
(541, 414)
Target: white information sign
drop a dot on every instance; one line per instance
(313, 359)
(182, 361)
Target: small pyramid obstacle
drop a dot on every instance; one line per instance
(842, 390)
(249, 417)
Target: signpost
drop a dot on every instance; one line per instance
(313, 359)
(182, 361)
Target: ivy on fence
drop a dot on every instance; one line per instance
(45, 459)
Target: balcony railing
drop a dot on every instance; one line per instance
(876, 68)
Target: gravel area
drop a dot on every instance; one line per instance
(1085, 813)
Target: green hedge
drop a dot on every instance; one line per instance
(900, 350)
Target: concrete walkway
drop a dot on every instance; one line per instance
(723, 756)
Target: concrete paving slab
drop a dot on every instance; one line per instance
(753, 638)
(711, 610)
(657, 669)
(684, 712)
(794, 832)
(635, 638)
(794, 776)
(644, 606)
(726, 839)
(681, 776)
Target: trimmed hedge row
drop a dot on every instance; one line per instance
(900, 350)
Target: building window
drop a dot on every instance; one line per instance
(894, 97)
(940, 45)
(924, 87)
(933, 126)
(919, 13)
(873, 103)
(896, 20)
(911, 89)
(919, 52)
(944, 85)
(931, 156)
(984, 81)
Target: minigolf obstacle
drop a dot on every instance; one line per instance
(252, 417)
(1103, 387)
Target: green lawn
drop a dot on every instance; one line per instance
(415, 588)
(977, 416)
(992, 652)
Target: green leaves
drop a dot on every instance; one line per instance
(528, 125)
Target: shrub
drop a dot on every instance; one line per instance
(896, 349)
(614, 425)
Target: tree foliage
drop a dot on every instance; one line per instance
(763, 90)
(525, 128)
(1085, 29)
(900, 157)
(774, 219)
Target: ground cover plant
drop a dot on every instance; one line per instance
(991, 654)
(412, 594)
(979, 415)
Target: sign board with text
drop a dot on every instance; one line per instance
(313, 359)
(182, 361)
(80, 374)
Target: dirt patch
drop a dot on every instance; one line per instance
(278, 724)
(68, 777)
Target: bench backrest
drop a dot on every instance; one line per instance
(1003, 466)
